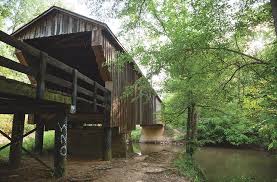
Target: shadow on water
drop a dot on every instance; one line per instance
(223, 164)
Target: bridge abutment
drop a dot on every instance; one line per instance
(152, 133)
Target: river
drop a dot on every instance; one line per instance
(223, 164)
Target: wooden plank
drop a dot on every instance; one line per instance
(39, 135)
(19, 89)
(60, 150)
(107, 144)
(84, 100)
(94, 98)
(41, 77)
(74, 91)
(40, 90)
(30, 108)
(17, 135)
(58, 81)
(95, 117)
(5, 62)
(18, 44)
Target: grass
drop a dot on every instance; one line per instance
(28, 143)
(135, 135)
(188, 168)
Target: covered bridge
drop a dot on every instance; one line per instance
(88, 46)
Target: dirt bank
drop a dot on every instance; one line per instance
(155, 167)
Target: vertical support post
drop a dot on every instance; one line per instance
(17, 133)
(39, 134)
(94, 97)
(107, 145)
(39, 95)
(74, 91)
(60, 150)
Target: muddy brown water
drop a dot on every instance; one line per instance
(223, 164)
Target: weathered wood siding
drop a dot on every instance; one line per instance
(57, 23)
(126, 112)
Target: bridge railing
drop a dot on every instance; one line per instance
(94, 94)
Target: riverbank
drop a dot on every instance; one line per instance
(153, 167)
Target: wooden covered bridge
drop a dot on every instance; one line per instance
(72, 90)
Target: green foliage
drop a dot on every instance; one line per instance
(212, 63)
(28, 143)
(188, 167)
(14, 14)
(135, 135)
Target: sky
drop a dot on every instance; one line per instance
(79, 6)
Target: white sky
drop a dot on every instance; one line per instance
(79, 6)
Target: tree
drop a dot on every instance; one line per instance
(203, 47)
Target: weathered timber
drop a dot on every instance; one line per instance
(28, 152)
(96, 46)
(16, 88)
(60, 150)
(17, 135)
(40, 90)
(92, 118)
(39, 54)
(74, 91)
(22, 60)
(94, 98)
(58, 81)
(100, 59)
(5, 62)
(15, 141)
(39, 134)
(107, 145)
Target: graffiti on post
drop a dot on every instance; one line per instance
(63, 130)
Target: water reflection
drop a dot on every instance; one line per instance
(145, 149)
(220, 164)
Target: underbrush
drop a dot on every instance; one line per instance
(176, 134)
(135, 135)
(188, 168)
(28, 143)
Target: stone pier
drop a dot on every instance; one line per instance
(152, 133)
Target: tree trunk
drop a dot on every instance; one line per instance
(191, 129)
(274, 13)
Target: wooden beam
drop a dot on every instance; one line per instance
(107, 144)
(39, 134)
(60, 150)
(93, 118)
(107, 129)
(17, 134)
(39, 96)
(100, 59)
(74, 91)
(23, 61)
(7, 63)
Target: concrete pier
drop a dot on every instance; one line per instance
(152, 133)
